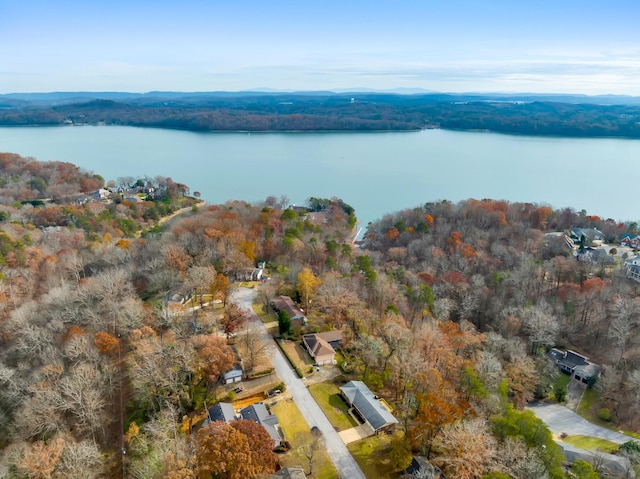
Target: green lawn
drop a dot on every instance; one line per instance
(591, 443)
(562, 381)
(587, 406)
(260, 312)
(297, 432)
(327, 397)
(372, 455)
(588, 409)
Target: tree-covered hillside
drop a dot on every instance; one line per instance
(115, 328)
(530, 115)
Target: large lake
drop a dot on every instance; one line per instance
(377, 173)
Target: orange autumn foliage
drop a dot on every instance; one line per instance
(392, 234)
(106, 343)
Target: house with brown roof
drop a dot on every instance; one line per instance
(296, 315)
(321, 346)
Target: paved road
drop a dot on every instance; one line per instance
(338, 453)
(562, 420)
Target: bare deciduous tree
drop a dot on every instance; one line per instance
(251, 347)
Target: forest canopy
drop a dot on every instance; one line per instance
(446, 310)
(530, 115)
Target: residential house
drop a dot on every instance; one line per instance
(291, 472)
(180, 294)
(223, 411)
(246, 274)
(632, 267)
(420, 467)
(176, 298)
(590, 255)
(235, 374)
(296, 315)
(258, 413)
(574, 364)
(321, 346)
(630, 240)
(633, 272)
(367, 405)
(592, 236)
(559, 238)
(299, 209)
(100, 194)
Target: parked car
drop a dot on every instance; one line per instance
(238, 390)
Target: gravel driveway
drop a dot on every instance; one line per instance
(338, 453)
(560, 420)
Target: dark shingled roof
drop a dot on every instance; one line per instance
(223, 411)
(258, 413)
(367, 404)
(295, 472)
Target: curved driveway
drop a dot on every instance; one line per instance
(560, 420)
(338, 453)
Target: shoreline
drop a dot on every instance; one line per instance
(347, 131)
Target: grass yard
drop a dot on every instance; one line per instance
(562, 381)
(260, 312)
(587, 404)
(327, 397)
(197, 299)
(588, 409)
(591, 443)
(372, 455)
(297, 354)
(297, 432)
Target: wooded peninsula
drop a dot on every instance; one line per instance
(140, 347)
(572, 116)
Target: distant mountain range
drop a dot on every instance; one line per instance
(476, 96)
(400, 109)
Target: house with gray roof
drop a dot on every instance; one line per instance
(574, 364)
(632, 268)
(291, 472)
(587, 236)
(223, 411)
(421, 468)
(236, 373)
(258, 413)
(367, 405)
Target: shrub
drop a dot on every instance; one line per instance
(632, 447)
(604, 414)
(560, 394)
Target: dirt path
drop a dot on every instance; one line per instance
(164, 219)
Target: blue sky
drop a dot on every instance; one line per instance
(565, 46)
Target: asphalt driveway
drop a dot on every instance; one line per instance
(338, 453)
(560, 420)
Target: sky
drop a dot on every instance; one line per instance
(543, 46)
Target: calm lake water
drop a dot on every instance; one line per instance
(377, 173)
